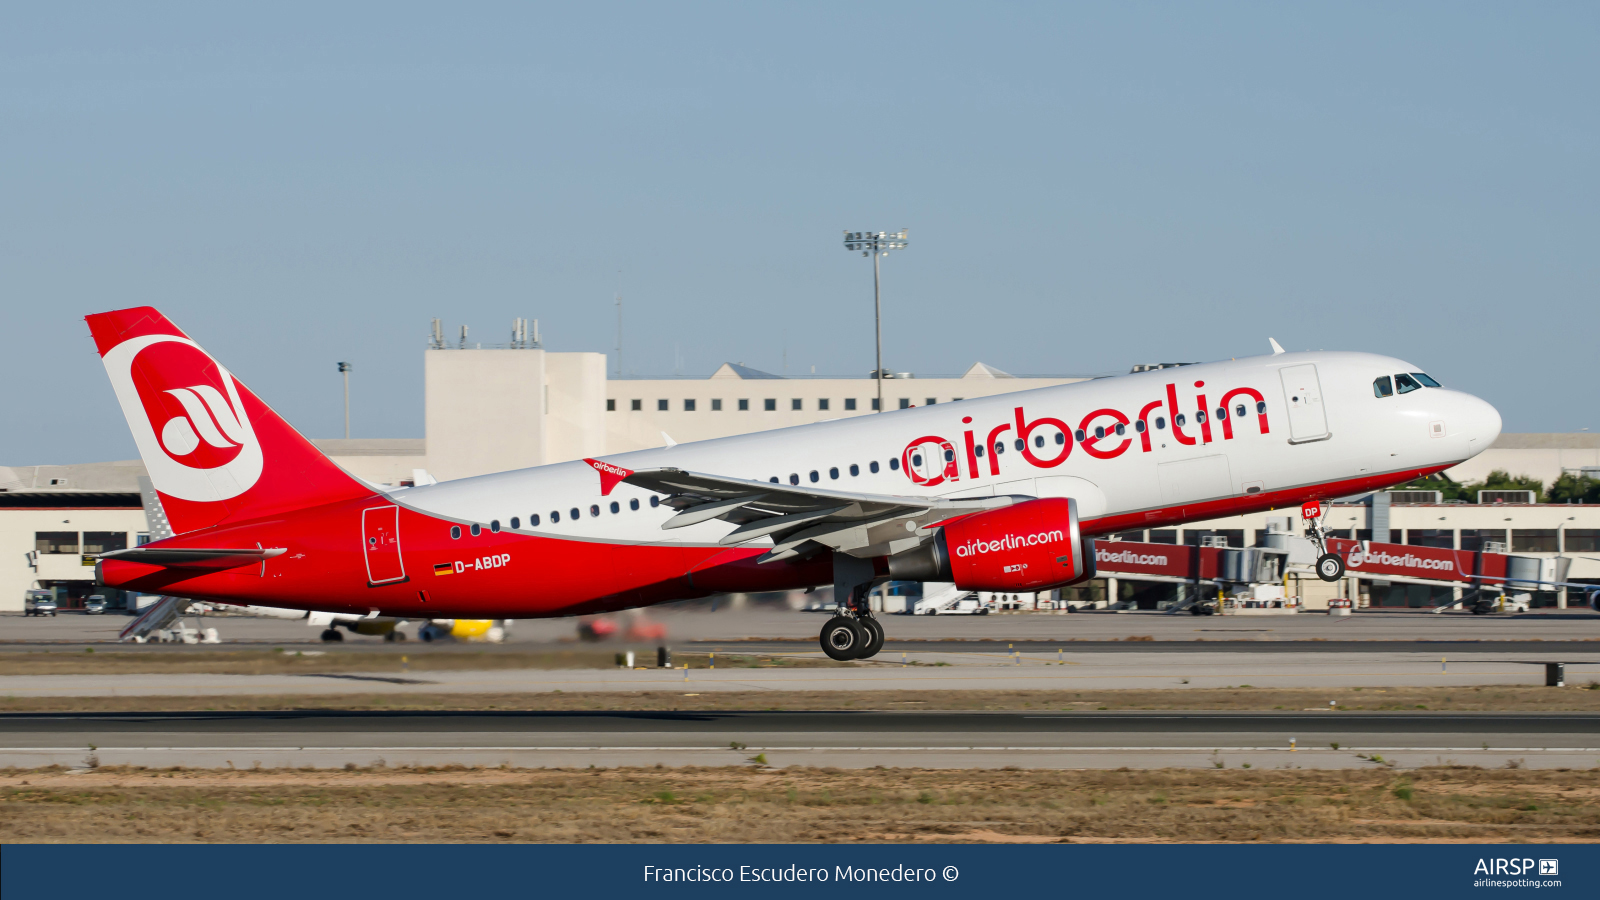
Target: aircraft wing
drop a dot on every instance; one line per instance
(800, 521)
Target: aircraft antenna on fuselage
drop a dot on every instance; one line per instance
(1275, 348)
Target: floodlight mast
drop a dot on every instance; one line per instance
(877, 245)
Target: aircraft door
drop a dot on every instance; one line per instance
(380, 542)
(1308, 421)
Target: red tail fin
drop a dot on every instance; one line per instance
(215, 452)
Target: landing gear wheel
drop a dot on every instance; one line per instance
(331, 637)
(874, 642)
(842, 638)
(1330, 567)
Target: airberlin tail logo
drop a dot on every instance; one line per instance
(186, 416)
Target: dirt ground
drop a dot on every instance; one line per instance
(1505, 698)
(799, 805)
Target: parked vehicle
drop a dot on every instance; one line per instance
(39, 603)
(95, 605)
(970, 606)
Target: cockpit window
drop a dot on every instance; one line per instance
(1426, 381)
(1381, 387)
(1405, 384)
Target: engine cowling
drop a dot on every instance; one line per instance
(1035, 545)
(1594, 600)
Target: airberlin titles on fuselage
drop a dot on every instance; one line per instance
(1100, 425)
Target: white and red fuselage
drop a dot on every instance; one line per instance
(1146, 450)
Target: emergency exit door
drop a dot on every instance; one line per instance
(380, 541)
(1308, 421)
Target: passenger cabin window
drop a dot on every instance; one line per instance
(793, 478)
(815, 477)
(1405, 384)
(1239, 410)
(574, 514)
(1179, 420)
(632, 504)
(1139, 426)
(594, 510)
(455, 532)
(555, 516)
(854, 470)
(494, 526)
(515, 523)
(833, 472)
(1382, 387)
(1079, 435)
(873, 467)
(1261, 407)
(1161, 423)
(1426, 381)
(894, 465)
(655, 501)
(533, 521)
(616, 507)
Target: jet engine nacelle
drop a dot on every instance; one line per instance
(1594, 600)
(1030, 546)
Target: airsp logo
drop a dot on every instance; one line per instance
(186, 417)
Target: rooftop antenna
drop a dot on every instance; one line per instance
(436, 337)
(463, 337)
(619, 323)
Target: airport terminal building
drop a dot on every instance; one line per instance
(493, 409)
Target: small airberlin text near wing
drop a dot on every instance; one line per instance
(610, 475)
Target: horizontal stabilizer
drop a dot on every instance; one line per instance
(194, 557)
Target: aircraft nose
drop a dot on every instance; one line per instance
(1480, 423)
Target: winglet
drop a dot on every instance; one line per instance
(610, 475)
(1275, 348)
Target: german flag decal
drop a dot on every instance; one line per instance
(444, 569)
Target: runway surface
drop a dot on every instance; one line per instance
(847, 739)
(691, 626)
(1064, 671)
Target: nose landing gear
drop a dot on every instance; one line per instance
(1330, 566)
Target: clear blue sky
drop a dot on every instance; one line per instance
(1087, 187)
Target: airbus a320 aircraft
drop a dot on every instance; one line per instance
(1000, 493)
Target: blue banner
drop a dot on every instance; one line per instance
(312, 872)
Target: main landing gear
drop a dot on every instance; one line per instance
(852, 633)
